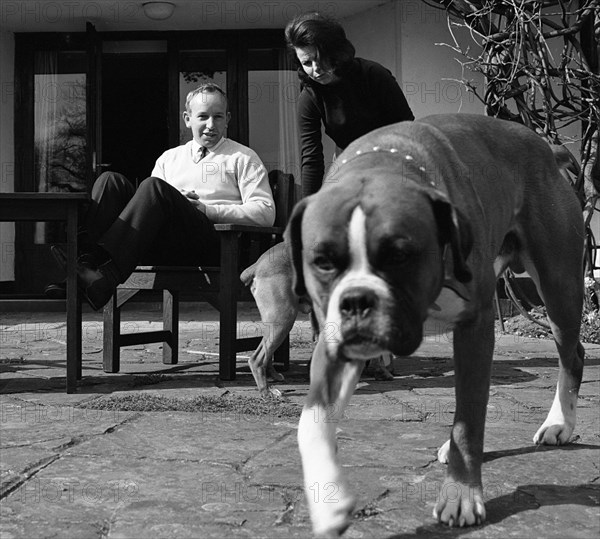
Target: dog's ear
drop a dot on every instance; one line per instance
(453, 228)
(293, 239)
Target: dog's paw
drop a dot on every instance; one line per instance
(553, 434)
(383, 375)
(381, 368)
(334, 521)
(271, 394)
(442, 454)
(559, 425)
(460, 505)
(333, 534)
(276, 376)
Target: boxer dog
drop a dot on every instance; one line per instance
(415, 223)
(270, 280)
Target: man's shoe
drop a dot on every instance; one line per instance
(85, 258)
(56, 290)
(96, 283)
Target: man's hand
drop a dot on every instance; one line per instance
(194, 199)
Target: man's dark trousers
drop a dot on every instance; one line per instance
(153, 225)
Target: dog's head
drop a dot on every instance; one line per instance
(369, 252)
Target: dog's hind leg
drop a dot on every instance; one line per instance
(562, 293)
(258, 367)
(278, 311)
(332, 383)
(559, 280)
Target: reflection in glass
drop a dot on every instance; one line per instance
(199, 67)
(60, 128)
(273, 90)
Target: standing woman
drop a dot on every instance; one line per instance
(350, 96)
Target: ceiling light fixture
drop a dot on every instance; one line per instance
(158, 11)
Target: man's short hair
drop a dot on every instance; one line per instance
(207, 88)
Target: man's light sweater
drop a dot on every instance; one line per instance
(231, 180)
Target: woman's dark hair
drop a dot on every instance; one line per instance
(323, 33)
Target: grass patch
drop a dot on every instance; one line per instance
(227, 402)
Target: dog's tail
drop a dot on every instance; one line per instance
(247, 276)
(565, 160)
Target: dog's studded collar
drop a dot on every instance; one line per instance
(379, 149)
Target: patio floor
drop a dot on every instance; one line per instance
(172, 451)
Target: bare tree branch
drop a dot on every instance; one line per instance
(512, 44)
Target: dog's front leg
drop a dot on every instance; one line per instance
(461, 497)
(331, 386)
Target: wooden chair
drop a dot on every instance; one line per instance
(220, 286)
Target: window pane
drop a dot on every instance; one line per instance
(199, 67)
(60, 129)
(60, 121)
(273, 88)
(135, 104)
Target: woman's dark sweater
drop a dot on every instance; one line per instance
(366, 97)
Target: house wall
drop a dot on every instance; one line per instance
(7, 234)
(399, 34)
(406, 35)
(406, 32)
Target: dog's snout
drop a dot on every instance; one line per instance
(358, 302)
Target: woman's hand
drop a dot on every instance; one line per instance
(194, 199)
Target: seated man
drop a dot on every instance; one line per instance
(170, 219)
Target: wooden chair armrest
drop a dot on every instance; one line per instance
(226, 227)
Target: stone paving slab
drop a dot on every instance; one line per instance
(70, 470)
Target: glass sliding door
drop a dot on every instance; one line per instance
(198, 67)
(273, 89)
(93, 101)
(60, 129)
(60, 126)
(134, 115)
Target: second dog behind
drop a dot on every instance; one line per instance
(270, 281)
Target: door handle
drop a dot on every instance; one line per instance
(98, 166)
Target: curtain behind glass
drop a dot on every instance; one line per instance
(289, 137)
(45, 113)
(45, 107)
(60, 129)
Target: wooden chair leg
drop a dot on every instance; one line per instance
(171, 324)
(73, 305)
(228, 288)
(499, 311)
(112, 332)
(282, 355)
(79, 338)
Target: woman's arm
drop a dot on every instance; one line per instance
(313, 163)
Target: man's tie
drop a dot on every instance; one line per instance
(200, 154)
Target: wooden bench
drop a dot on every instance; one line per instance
(220, 286)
